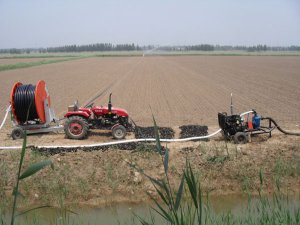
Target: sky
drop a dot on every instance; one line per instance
(41, 23)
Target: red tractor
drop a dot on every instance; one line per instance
(80, 120)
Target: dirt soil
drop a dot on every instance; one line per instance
(180, 91)
(100, 178)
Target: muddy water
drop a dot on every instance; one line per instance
(123, 213)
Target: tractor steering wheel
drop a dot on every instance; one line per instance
(90, 105)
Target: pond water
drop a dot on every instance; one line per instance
(122, 213)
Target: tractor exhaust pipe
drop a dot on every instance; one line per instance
(109, 103)
(231, 105)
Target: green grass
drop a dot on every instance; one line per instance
(186, 203)
(31, 64)
(34, 56)
(62, 57)
(21, 175)
(149, 53)
(71, 54)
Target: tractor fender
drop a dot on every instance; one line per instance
(77, 113)
(85, 110)
(115, 126)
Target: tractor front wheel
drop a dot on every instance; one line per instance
(119, 132)
(240, 138)
(76, 127)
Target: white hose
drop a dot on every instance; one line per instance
(10, 147)
(5, 117)
(131, 141)
(119, 142)
(245, 113)
(124, 141)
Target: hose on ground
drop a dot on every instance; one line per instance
(148, 139)
(119, 142)
(5, 117)
(280, 129)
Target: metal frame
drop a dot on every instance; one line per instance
(262, 129)
(45, 127)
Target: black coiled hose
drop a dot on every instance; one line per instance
(280, 129)
(24, 103)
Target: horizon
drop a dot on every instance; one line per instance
(155, 46)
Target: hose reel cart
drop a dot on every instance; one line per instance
(31, 110)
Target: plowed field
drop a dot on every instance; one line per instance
(178, 89)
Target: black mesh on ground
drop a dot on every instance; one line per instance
(193, 131)
(140, 132)
(135, 146)
(54, 151)
(148, 132)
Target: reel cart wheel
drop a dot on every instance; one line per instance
(76, 127)
(17, 133)
(118, 132)
(240, 138)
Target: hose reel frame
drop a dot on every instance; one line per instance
(40, 96)
(45, 114)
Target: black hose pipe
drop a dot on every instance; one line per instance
(280, 129)
(24, 101)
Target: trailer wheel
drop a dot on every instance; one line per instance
(17, 133)
(76, 127)
(240, 138)
(119, 132)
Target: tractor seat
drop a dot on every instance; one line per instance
(72, 108)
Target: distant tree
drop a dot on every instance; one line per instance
(265, 48)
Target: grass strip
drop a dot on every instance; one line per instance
(21, 56)
(73, 54)
(31, 64)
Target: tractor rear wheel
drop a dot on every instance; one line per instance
(240, 138)
(119, 132)
(76, 127)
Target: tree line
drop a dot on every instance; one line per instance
(102, 47)
(256, 48)
(99, 47)
(207, 47)
(202, 47)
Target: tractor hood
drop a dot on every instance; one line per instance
(119, 111)
(104, 110)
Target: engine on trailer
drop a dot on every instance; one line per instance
(231, 124)
(239, 129)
